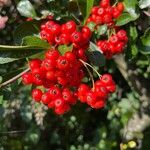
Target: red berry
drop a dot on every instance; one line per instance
(67, 95)
(36, 94)
(54, 92)
(104, 3)
(121, 34)
(27, 78)
(113, 39)
(101, 91)
(59, 102)
(116, 13)
(50, 75)
(62, 63)
(106, 79)
(35, 63)
(46, 98)
(120, 6)
(65, 38)
(101, 11)
(99, 104)
(76, 37)
(69, 27)
(52, 54)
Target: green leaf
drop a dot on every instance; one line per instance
(131, 8)
(146, 38)
(95, 55)
(144, 3)
(31, 45)
(65, 48)
(124, 19)
(101, 29)
(27, 28)
(134, 50)
(26, 9)
(133, 33)
(89, 6)
(145, 42)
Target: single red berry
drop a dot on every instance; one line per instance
(107, 18)
(106, 79)
(59, 102)
(104, 3)
(100, 11)
(50, 75)
(101, 91)
(62, 63)
(54, 92)
(38, 72)
(113, 39)
(90, 97)
(35, 63)
(116, 13)
(120, 6)
(67, 95)
(69, 27)
(46, 98)
(37, 94)
(71, 57)
(52, 54)
(111, 88)
(94, 10)
(27, 78)
(49, 64)
(99, 104)
(86, 32)
(76, 37)
(121, 34)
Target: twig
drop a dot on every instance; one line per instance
(14, 78)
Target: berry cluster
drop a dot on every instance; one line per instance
(105, 13)
(68, 33)
(96, 97)
(57, 74)
(114, 45)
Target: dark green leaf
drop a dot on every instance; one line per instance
(27, 28)
(144, 3)
(32, 45)
(26, 9)
(95, 55)
(65, 48)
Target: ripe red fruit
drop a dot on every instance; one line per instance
(50, 75)
(113, 39)
(121, 34)
(120, 6)
(71, 57)
(101, 91)
(59, 102)
(65, 38)
(46, 98)
(106, 79)
(62, 63)
(37, 94)
(90, 98)
(48, 64)
(99, 104)
(52, 54)
(27, 78)
(94, 10)
(104, 3)
(35, 63)
(116, 13)
(67, 95)
(86, 32)
(69, 27)
(100, 11)
(76, 37)
(54, 92)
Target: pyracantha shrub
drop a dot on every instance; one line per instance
(58, 78)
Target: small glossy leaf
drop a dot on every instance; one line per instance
(26, 9)
(144, 3)
(27, 28)
(131, 8)
(133, 33)
(65, 48)
(95, 55)
(145, 42)
(124, 19)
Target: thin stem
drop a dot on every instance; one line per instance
(90, 67)
(14, 78)
(92, 79)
